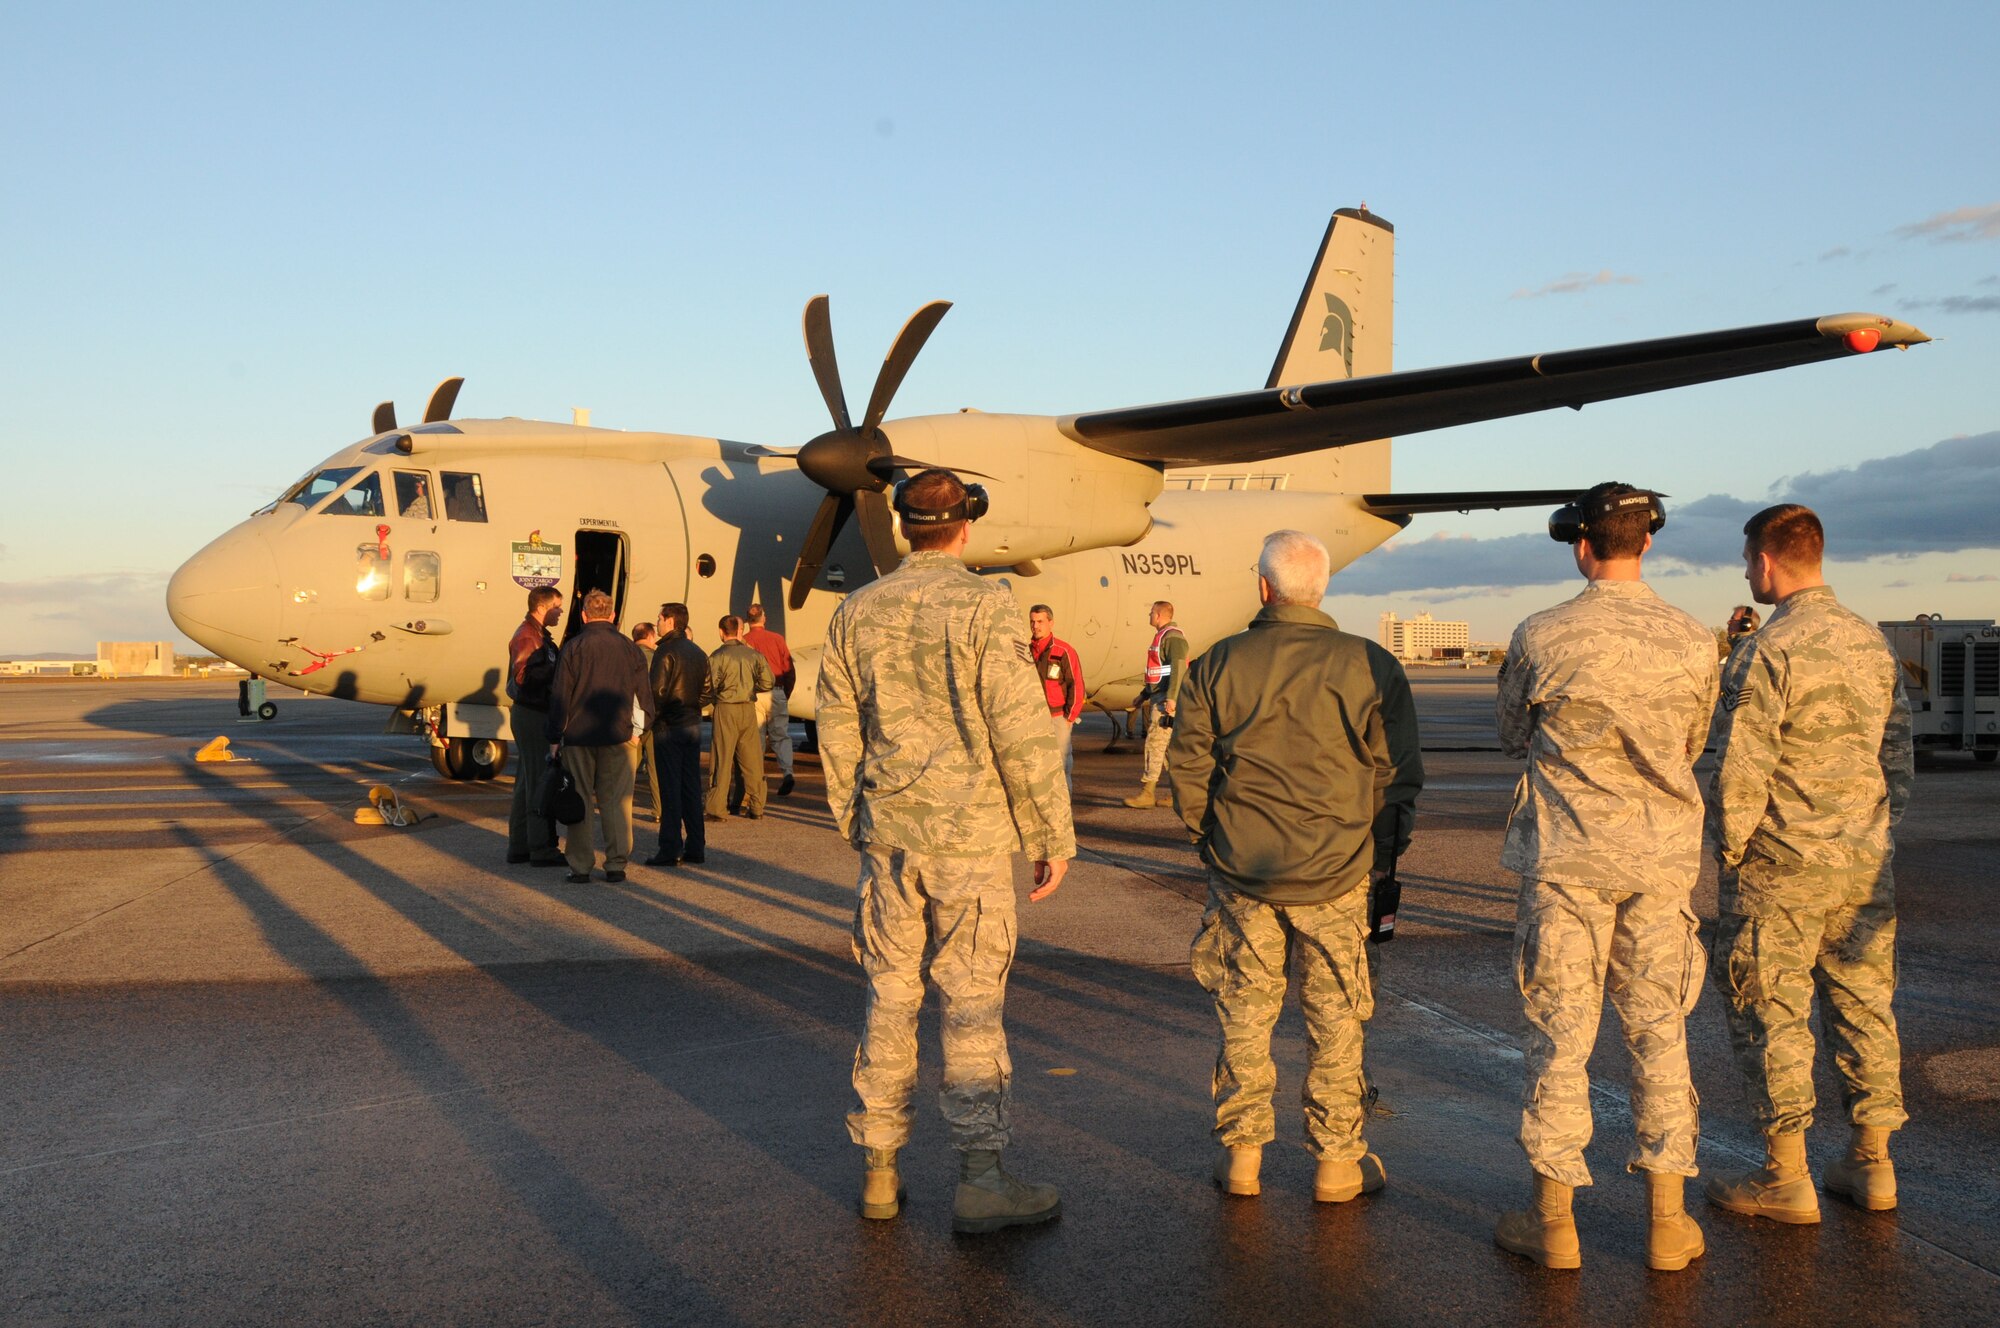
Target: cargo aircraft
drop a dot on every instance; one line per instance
(394, 571)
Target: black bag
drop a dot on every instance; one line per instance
(562, 800)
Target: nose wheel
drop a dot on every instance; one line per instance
(470, 758)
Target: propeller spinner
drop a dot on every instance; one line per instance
(854, 465)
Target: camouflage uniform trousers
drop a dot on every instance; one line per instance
(1767, 967)
(1242, 956)
(1571, 945)
(1158, 735)
(962, 909)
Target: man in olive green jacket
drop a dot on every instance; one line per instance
(736, 676)
(1294, 763)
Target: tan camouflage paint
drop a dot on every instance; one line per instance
(1241, 957)
(1816, 766)
(1571, 946)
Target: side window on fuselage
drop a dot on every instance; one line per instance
(371, 579)
(421, 571)
(464, 498)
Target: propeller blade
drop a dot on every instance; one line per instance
(442, 400)
(901, 355)
(819, 350)
(826, 526)
(385, 417)
(878, 530)
(885, 465)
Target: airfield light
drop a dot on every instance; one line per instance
(1864, 339)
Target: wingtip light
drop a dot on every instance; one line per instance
(1864, 339)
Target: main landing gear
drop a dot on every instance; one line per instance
(470, 758)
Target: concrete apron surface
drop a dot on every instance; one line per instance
(262, 1063)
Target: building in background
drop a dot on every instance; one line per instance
(1423, 637)
(135, 659)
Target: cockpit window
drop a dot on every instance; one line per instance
(413, 495)
(308, 491)
(363, 499)
(464, 499)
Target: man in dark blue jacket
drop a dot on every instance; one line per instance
(601, 684)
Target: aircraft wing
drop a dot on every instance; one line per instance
(1274, 422)
(1417, 504)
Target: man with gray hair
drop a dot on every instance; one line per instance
(1293, 819)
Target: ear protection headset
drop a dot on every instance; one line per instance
(1572, 521)
(970, 508)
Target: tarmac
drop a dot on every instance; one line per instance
(261, 1063)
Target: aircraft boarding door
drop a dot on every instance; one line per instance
(601, 564)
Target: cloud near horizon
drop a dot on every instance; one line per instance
(1572, 283)
(74, 613)
(1935, 499)
(1966, 223)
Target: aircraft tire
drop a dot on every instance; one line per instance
(1987, 754)
(470, 758)
(268, 711)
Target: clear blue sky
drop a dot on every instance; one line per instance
(232, 229)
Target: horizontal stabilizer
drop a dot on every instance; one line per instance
(1418, 504)
(1275, 422)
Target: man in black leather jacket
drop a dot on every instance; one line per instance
(680, 673)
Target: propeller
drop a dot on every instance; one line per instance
(443, 397)
(854, 464)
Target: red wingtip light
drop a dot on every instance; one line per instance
(1864, 339)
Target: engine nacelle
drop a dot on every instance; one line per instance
(1049, 495)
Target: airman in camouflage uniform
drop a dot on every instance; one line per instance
(1295, 765)
(1815, 767)
(1608, 696)
(940, 764)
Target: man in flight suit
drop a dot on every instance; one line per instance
(1293, 820)
(1608, 695)
(1815, 765)
(736, 674)
(940, 765)
(1166, 665)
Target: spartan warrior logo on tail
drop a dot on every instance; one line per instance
(1336, 334)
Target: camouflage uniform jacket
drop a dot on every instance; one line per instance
(1816, 763)
(933, 729)
(1608, 695)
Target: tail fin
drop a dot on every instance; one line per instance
(1340, 329)
(1344, 320)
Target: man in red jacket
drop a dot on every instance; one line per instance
(774, 716)
(1062, 679)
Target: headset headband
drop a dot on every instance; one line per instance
(969, 508)
(1573, 521)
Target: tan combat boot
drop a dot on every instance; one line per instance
(1337, 1182)
(1144, 797)
(881, 1186)
(1236, 1169)
(1781, 1189)
(1673, 1241)
(1545, 1232)
(1865, 1175)
(989, 1199)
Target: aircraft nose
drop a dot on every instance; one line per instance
(226, 598)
